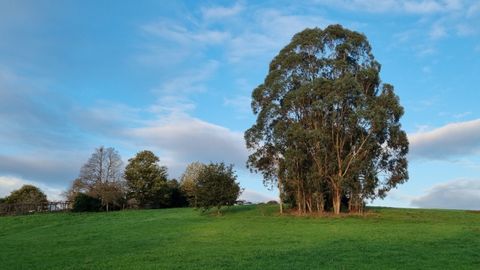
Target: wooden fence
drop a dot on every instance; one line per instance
(30, 208)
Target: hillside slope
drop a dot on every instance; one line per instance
(245, 237)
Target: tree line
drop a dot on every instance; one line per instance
(103, 184)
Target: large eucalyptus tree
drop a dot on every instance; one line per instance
(326, 126)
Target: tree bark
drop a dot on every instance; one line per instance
(280, 196)
(337, 199)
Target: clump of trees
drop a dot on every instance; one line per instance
(27, 194)
(27, 199)
(327, 128)
(103, 184)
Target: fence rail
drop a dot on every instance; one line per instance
(30, 208)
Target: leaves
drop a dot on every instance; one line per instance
(146, 180)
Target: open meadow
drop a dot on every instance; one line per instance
(244, 237)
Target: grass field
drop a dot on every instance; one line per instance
(245, 237)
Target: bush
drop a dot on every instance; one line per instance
(217, 186)
(85, 203)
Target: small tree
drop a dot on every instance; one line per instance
(27, 194)
(112, 194)
(216, 186)
(189, 180)
(100, 177)
(146, 180)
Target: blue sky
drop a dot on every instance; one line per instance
(175, 77)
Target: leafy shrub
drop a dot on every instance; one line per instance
(85, 203)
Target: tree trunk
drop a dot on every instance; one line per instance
(299, 199)
(355, 204)
(320, 203)
(309, 205)
(280, 196)
(304, 201)
(337, 199)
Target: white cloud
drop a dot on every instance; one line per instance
(185, 139)
(395, 6)
(256, 197)
(189, 82)
(180, 34)
(454, 139)
(465, 30)
(269, 31)
(462, 115)
(222, 12)
(167, 43)
(474, 10)
(457, 194)
(438, 31)
(53, 167)
(173, 94)
(241, 104)
(172, 104)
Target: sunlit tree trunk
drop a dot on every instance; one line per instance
(337, 199)
(280, 192)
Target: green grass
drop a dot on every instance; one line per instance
(247, 237)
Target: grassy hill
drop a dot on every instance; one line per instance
(245, 237)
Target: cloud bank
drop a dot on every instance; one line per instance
(457, 194)
(397, 6)
(184, 139)
(451, 140)
(255, 197)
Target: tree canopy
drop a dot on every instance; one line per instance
(27, 194)
(146, 179)
(101, 177)
(326, 126)
(217, 186)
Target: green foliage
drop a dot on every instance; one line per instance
(216, 186)
(147, 181)
(189, 181)
(176, 196)
(27, 194)
(384, 239)
(326, 126)
(85, 203)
